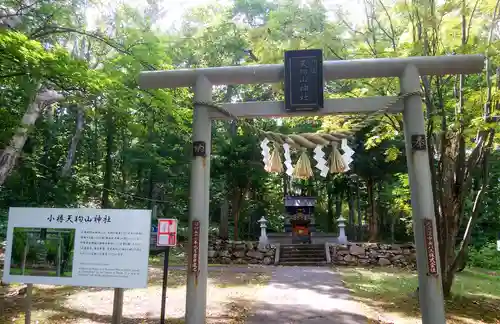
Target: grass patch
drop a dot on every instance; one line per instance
(176, 257)
(175, 278)
(476, 293)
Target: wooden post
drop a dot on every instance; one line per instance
(27, 303)
(117, 306)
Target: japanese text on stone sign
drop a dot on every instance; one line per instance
(79, 219)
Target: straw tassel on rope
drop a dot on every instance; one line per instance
(275, 161)
(303, 168)
(336, 161)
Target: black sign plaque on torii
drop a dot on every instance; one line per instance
(303, 80)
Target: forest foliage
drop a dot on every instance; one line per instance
(103, 142)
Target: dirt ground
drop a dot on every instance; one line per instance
(57, 304)
(236, 295)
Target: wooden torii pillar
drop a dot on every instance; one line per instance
(407, 69)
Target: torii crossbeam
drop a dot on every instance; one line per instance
(407, 69)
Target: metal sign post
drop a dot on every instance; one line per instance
(166, 237)
(164, 285)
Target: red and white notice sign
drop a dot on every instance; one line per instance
(167, 232)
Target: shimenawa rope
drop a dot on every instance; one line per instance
(310, 140)
(306, 141)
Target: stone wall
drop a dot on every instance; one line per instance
(366, 254)
(238, 252)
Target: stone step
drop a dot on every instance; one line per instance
(311, 259)
(305, 250)
(303, 256)
(302, 253)
(302, 263)
(303, 246)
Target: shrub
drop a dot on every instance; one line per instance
(485, 257)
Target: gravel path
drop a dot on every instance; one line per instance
(308, 295)
(231, 291)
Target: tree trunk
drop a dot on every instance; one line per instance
(152, 170)
(224, 220)
(108, 167)
(329, 194)
(80, 123)
(225, 208)
(236, 206)
(285, 184)
(393, 226)
(310, 187)
(360, 215)
(380, 210)
(373, 221)
(123, 168)
(48, 142)
(350, 203)
(338, 206)
(10, 154)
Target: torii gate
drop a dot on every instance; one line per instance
(408, 70)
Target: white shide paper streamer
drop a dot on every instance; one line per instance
(319, 157)
(266, 156)
(288, 160)
(347, 156)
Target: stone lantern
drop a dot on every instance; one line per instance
(263, 235)
(342, 237)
